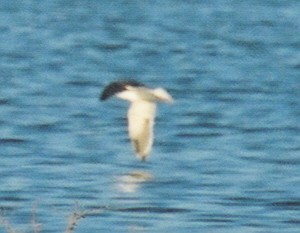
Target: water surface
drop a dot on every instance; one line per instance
(226, 154)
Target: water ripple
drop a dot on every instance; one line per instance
(286, 205)
(158, 210)
(225, 154)
(13, 140)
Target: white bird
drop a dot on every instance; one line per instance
(141, 113)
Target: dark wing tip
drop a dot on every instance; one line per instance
(118, 86)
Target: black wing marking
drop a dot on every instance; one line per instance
(118, 86)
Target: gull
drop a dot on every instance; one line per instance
(141, 113)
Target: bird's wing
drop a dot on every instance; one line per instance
(117, 87)
(141, 116)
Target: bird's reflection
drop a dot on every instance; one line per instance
(130, 183)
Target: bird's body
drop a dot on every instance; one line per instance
(141, 116)
(141, 113)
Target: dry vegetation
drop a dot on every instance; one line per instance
(73, 220)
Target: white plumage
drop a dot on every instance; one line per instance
(141, 116)
(141, 113)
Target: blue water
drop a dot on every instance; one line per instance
(226, 156)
